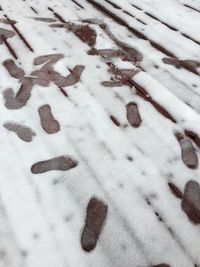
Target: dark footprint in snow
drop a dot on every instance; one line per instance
(23, 132)
(133, 115)
(49, 124)
(13, 69)
(188, 153)
(191, 201)
(62, 163)
(95, 218)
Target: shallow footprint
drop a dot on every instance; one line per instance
(62, 163)
(95, 218)
(49, 124)
(23, 132)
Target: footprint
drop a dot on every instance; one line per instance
(188, 153)
(62, 163)
(23, 95)
(191, 201)
(13, 69)
(23, 132)
(95, 218)
(49, 124)
(133, 115)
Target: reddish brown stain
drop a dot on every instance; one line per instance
(95, 217)
(23, 132)
(62, 163)
(49, 124)
(133, 115)
(191, 201)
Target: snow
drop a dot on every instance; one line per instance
(42, 216)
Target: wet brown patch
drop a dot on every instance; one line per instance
(95, 218)
(23, 132)
(188, 152)
(191, 201)
(175, 190)
(84, 32)
(49, 124)
(13, 69)
(62, 163)
(115, 120)
(133, 115)
(23, 95)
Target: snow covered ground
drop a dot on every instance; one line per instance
(100, 133)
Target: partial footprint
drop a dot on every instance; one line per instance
(23, 132)
(62, 163)
(133, 115)
(95, 218)
(49, 124)
(19, 100)
(13, 69)
(191, 201)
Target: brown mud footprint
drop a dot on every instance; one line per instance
(191, 201)
(188, 152)
(62, 163)
(95, 218)
(23, 132)
(49, 124)
(133, 115)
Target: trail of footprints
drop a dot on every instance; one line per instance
(96, 211)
